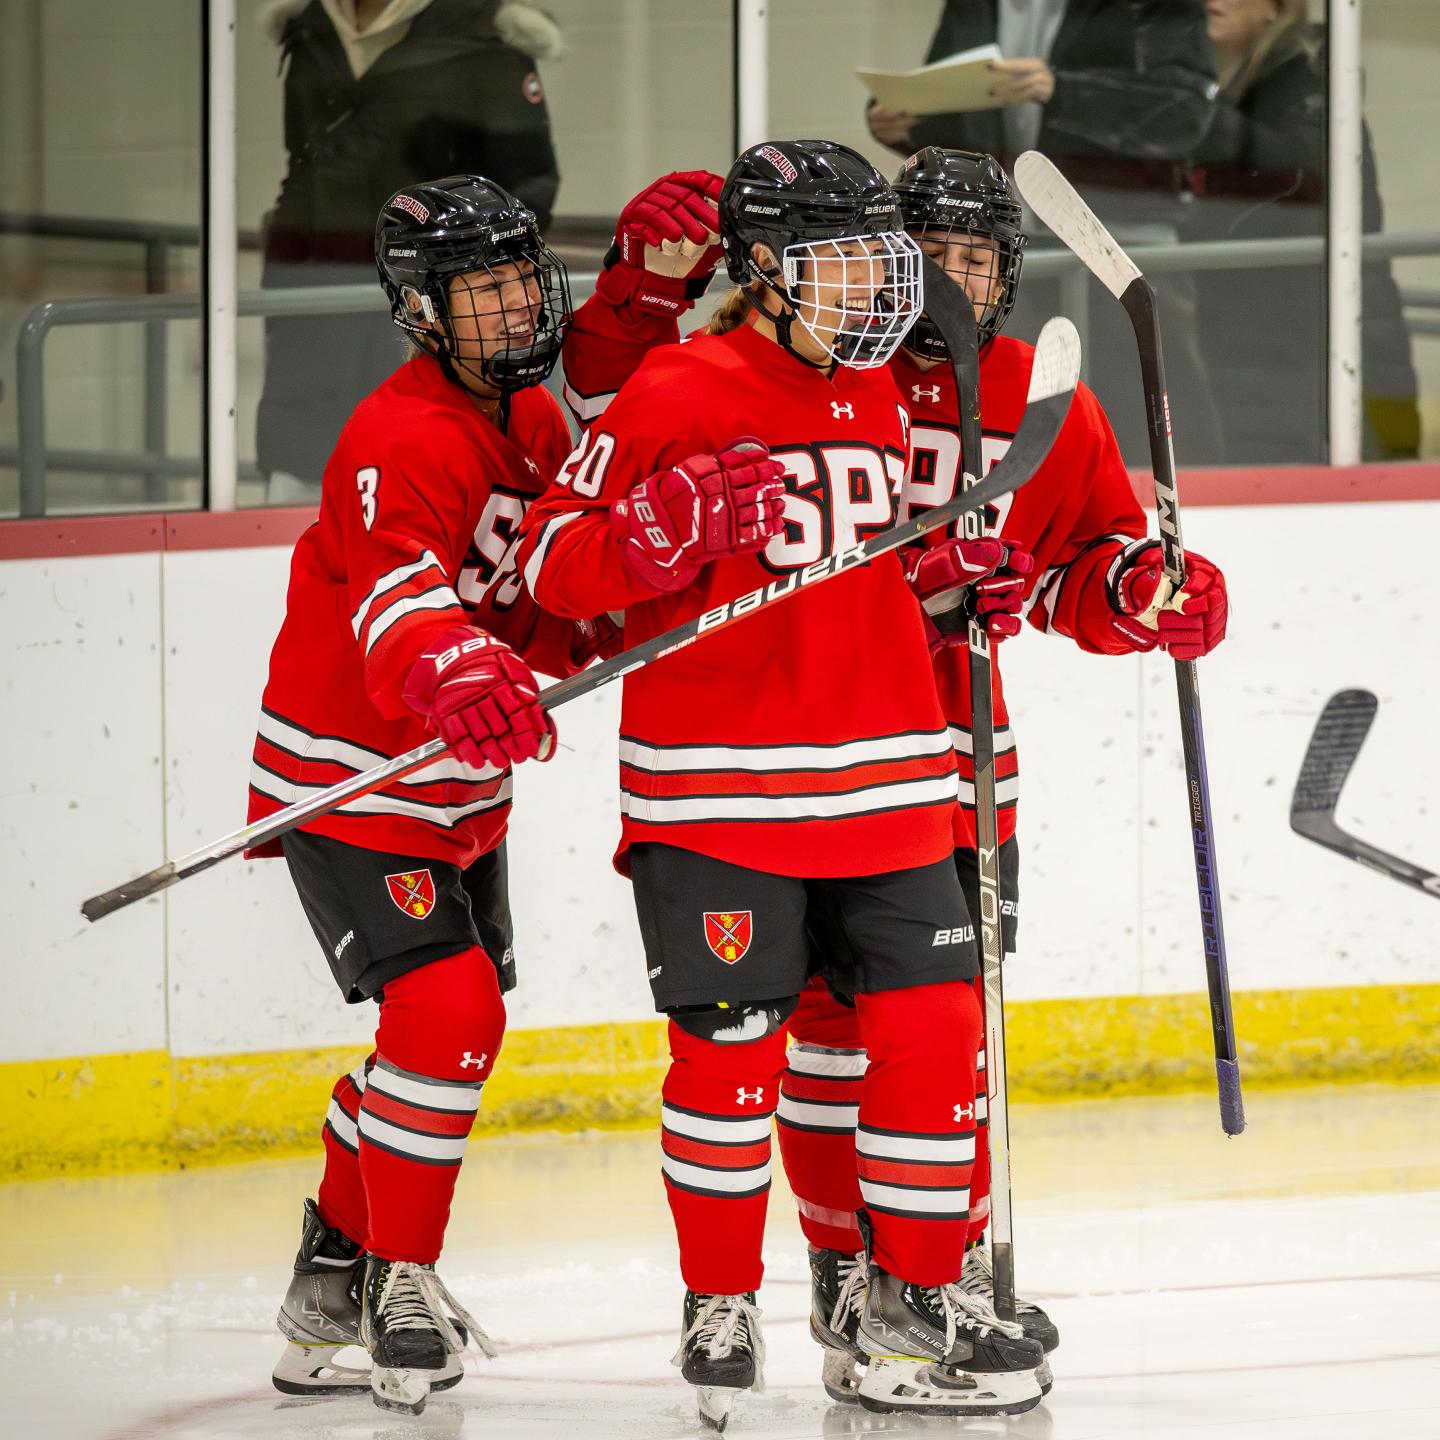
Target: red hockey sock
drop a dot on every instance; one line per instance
(819, 1106)
(715, 1153)
(980, 1175)
(916, 1137)
(341, 1201)
(440, 1030)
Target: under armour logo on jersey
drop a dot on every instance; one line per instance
(534, 468)
(842, 409)
(742, 1095)
(964, 1112)
(471, 1060)
(925, 392)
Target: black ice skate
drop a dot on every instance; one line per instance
(721, 1352)
(939, 1351)
(320, 1316)
(837, 1299)
(978, 1279)
(405, 1323)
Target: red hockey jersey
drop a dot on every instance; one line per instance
(1075, 515)
(807, 740)
(419, 504)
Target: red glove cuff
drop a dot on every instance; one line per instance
(621, 284)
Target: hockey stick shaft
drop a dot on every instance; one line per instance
(949, 307)
(1049, 401)
(1055, 201)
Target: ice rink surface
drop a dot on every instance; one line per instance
(1284, 1285)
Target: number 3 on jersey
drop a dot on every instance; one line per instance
(935, 472)
(367, 482)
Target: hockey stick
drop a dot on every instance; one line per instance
(1054, 200)
(1052, 383)
(949, 307)
(1339, 733)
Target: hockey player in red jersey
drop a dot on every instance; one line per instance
(1072, 555)
(381, 649)
(770, 791)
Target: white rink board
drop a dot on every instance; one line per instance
(225, 962)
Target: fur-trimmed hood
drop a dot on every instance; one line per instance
(526, 28)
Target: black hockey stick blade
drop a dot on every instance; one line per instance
(1339, 733)
(1053, 380)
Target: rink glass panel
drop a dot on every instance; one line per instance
(100, 128)
(639, 88)
(1401, 54)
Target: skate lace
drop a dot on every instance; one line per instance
(722, 1322)
(414, 1297)
(850, 1269)
(978, 1279)
(973, 1311)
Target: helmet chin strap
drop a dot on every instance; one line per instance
(785, 319)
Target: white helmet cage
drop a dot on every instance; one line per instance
(873, 288)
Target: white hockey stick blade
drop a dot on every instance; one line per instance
(1057, 360)
(1054, 199)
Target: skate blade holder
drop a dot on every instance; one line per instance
(905, 1384)
(717, 1404)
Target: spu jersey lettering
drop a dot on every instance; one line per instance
(935, 472)
(838, 496)
(491, 549)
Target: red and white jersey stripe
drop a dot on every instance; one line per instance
(342, 1116)
(724, 1156)
(924, 1176)
(291, 764)
(690, 784)
(416, 1116)
(820, 1089)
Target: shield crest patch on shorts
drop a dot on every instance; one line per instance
(728, 933)
(413, 891)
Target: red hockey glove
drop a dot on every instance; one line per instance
(479, 697)
(667, 245)
(704, 509)
(964, 580)
(1187, 624)
(600, 637)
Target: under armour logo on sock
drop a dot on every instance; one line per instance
(842, 408)
(742, 1095)
(925, 392)
(964, 1112)
(471, 1060)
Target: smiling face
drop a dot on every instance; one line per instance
(854, 297)
(491, 311)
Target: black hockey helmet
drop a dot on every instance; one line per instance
(943, 191)
(792, 194)
(462, 225)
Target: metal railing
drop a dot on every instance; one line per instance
(33, 460)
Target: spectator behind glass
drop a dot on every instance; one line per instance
(376, 93)
(1119, 94)
(1262, 332)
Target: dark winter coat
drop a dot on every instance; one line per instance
(1262, 176)
(1133, 79)
(450, 97)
